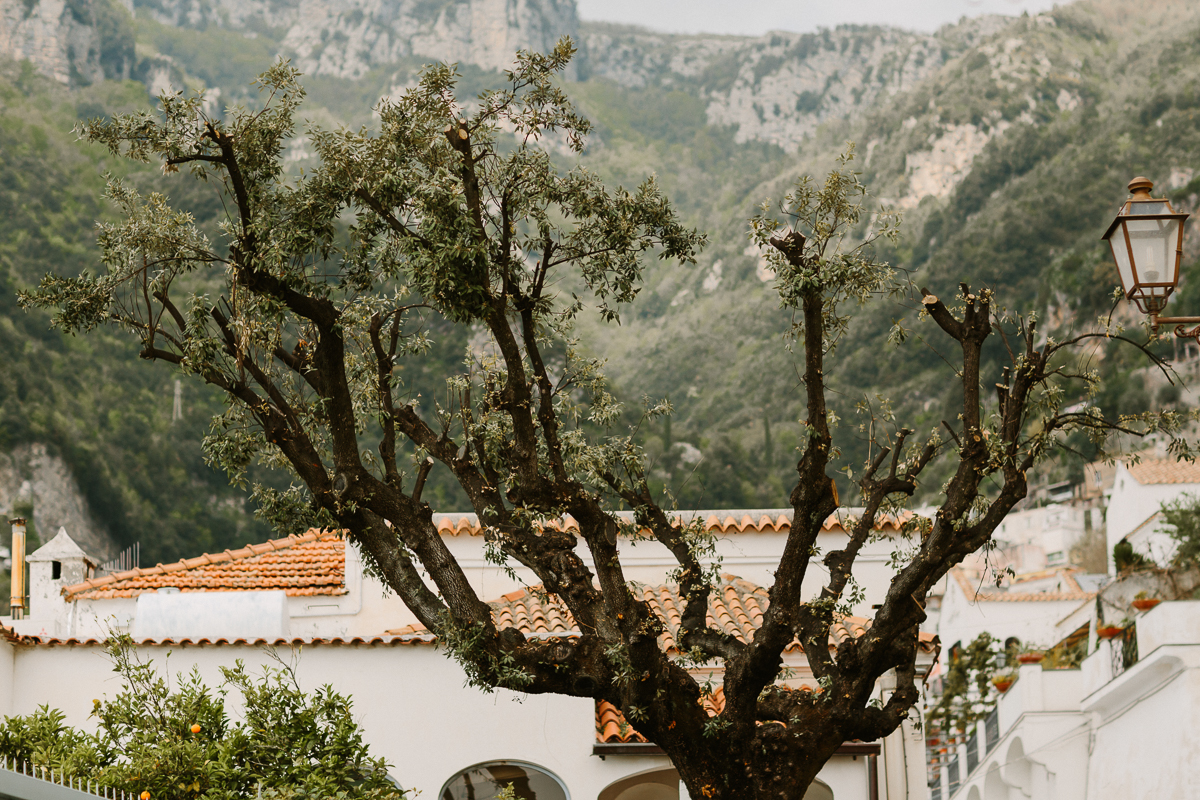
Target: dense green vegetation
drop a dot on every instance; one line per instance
(1026, 219)
(1115, 100)
(89, 398)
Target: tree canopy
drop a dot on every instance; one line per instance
(457, 213)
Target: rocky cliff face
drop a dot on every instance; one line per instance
(347, 38)
(32, 477)
(72, 41)
(778, 88)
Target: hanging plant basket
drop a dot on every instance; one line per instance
(1109, 632)
(1030, 658)
(1002, 683)
(1146, 603)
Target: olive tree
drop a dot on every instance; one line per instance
(456, 211)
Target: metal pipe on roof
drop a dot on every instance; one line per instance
(17, 601)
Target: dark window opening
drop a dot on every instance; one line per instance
(55, 569)
(488, 781)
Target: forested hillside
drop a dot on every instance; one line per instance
(90, 400)
(1007, 143)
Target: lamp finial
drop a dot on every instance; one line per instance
(1140, 187)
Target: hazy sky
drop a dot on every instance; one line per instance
(754, 17)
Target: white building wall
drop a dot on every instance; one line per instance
(1088, 734)
(1152, 750)
(1033, 622)
(411, 701)
(1133, 503)
(1035, 538)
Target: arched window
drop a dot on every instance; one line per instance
(485, 781)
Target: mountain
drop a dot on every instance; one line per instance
(1007, 142)
(80, 41)
(348, 38)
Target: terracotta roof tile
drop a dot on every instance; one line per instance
(311, 564)
(777, 520)
(612, 728)
(1164, 470)
(1072, 591)
(386, 639)
(736, 607)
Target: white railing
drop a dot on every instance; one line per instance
(11, 768)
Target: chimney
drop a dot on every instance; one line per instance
(18, 568)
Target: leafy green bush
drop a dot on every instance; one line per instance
(967, 693)
(180, 743)
(1126, 559)
(1181, 520)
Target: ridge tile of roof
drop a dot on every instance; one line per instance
(758, 520)
(313, 563)
(735, 607)
(27, 640)
(1164, 470)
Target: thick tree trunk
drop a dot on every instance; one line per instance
(775, 765)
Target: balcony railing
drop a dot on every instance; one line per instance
(991, 730)
(1124, 650)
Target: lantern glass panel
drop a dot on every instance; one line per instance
(1156, 207)
(1153, 242)
(1121, 256)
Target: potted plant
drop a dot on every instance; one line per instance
(1030, 657)
(1142, 601)
(1109, 631)
(1002, 683)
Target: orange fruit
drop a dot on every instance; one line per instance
(145, 796)
(195, 729)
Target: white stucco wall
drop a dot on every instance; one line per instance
(1150, 748)
(1133, 503)
(1033, 622)
(411, 702)
(1089, 735)
(411, 699)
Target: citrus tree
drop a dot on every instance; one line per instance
(454, 213)
(160, 742)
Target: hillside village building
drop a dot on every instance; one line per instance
(310, 594)
(1036, 538)
(1039, 609)
(1126, 723)
(1139, 490)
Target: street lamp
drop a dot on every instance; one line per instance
(1147, 243)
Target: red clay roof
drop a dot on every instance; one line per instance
(1071, 591)
(753, 521)
(1164, 470)
(311, 564)
(736, 607)
(611, 727)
